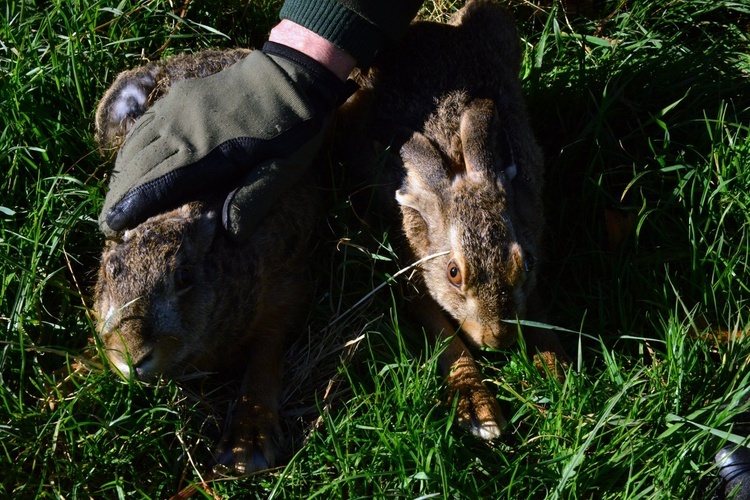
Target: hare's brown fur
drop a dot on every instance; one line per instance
(468, 181)
(175, 296)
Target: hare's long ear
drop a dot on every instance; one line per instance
(426, 179)
(492, 32)
(122, 104)
(486, 149)
(202, 226)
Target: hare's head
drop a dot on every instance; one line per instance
(458, 197)
(154, 296)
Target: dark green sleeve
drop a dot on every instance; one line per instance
(360, 27)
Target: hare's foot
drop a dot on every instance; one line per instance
(549, 362)
(477, 409)
(253, 435)
(250, 443)
(548, 354)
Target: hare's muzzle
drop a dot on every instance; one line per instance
(128, 352)
(497, 334)
(139, 363)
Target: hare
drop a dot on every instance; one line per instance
(464, 180)
(176, 296)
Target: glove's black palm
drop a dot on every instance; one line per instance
(252, 129)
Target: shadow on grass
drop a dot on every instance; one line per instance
(621, 130)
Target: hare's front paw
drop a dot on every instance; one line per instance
(477, 409)
(548, 354)
(551, 363)
(250, 443)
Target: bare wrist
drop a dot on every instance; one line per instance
(311, 44)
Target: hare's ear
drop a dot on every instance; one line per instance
(493, 31)
(426, 179)
(202, 226)
(122, 104)
(486, 149)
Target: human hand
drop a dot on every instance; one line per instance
(250, 131)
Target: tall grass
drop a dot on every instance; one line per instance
(642, 109)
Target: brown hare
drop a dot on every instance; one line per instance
(464, 176)
(175, 296)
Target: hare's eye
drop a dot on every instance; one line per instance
(454, 274)
(183, 278)
(528, 263)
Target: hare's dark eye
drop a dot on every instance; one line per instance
(528, 263)
(183, 278)
(454, 274)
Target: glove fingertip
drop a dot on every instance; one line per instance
(115, 221)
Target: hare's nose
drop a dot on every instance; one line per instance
(144, 369)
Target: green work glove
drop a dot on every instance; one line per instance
(249, 131)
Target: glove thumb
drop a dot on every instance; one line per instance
(247, 205)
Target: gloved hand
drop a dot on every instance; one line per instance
(250, 131)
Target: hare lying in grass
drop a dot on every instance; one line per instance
(466, 173)
(175, 296)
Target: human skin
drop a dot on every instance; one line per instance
(315, 46)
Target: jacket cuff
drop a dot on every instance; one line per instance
(339, 25)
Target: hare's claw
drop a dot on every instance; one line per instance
(249, 445)
(487, 430)
(245, 456)
(479, 412)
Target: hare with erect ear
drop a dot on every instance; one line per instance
(175, 295)
(465, 174)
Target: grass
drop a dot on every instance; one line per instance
(642, 109)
